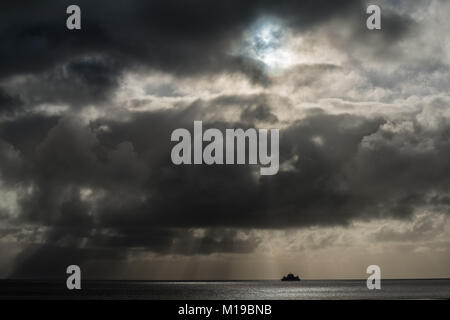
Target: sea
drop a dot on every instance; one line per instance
(226, 290)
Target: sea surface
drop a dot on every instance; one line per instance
(246, 290)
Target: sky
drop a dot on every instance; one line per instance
(86, 116)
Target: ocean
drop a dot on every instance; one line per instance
(226, 290)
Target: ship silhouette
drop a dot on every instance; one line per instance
(290, 277)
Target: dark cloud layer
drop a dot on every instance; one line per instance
(103, 188)
(188, 38)
(78, 68)
(141, 200)
(135, 184)
(191, 36)
(9, 104)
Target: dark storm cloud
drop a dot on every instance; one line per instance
(77, 83)
(178, 241)
(101, 189)
(188, 38)
(9, 104)
(12, 167)
(334, 169)
(26, 132)
(134, 182)
(51, 260)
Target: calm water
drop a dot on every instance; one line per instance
(306, 289)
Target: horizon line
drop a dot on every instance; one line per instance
(213, 280)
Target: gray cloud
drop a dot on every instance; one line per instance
(97, 190)
(78, 68)
(128, 167)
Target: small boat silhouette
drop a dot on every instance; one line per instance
(290, 277)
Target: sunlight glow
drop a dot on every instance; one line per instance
(266, 43)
